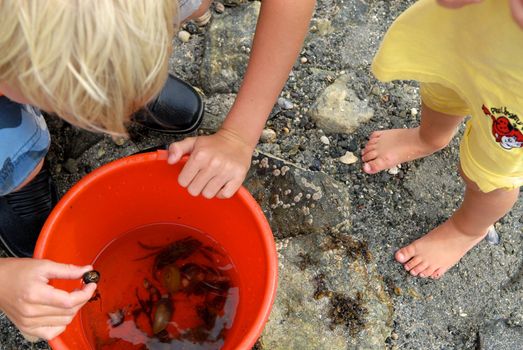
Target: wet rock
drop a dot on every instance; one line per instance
(338, 109)
(79, 141)
(71, 166)
(321, 203)
(227, 48)
(330, 296)
(498, 335)
(216, 109)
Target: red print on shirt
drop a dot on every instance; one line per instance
(505, 127)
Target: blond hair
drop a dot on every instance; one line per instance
(92, 62)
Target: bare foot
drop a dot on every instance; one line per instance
(388, 148)
(436, 252)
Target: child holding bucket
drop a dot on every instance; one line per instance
(93, 64)
(469, 62)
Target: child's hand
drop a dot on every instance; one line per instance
(217, 165)
(36, 308)
(453, 4)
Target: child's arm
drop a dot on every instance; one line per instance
(36, 308)
(218, 163)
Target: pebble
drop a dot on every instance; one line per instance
(119, 140)
(101, 152)
(394, 170)
(268, 136)
(285, 104)
(303, 60)
(219, 7)
(394, 336)
(184, 36)
(325, 140)
(348, 158)
(414, 112)
(286, 130)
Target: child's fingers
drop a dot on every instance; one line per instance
(230, 188)
(201, 180)
(178, 149)
(46, 333)
(189, 171)
(61, 299)
(214, 186)
(53, 270)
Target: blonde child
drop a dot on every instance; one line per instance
(94, 63)
(467, 56)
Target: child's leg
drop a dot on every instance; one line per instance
(388, 148)
(433, 254)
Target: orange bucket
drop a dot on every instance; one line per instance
(142, 189)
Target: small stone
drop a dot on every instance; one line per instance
(219, 7)
(414, 112)
(285, 104)
(268, 136)
(325, 140)
(119, 140)
(376, 91)
(184, 36)
(394, 170)
(348, 158)
(394, 336)
(303, 60)
(286, 130)
(101, 152)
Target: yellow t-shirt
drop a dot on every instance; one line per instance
(469, 61)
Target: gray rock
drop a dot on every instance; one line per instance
(227, 50)
(330, 296)
(498, 335)
(338, 109)
(295, 200)
(217, 107)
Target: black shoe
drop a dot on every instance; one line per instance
(23, 213)
(178, 109)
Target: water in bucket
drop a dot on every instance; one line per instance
(163, 286)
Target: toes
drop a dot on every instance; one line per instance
(437, 274)
(405, 254)
(374, 166)
(412, 263)
(375, 135)
(419, 269)
(369, 155)
(368, 148)
(428, 272)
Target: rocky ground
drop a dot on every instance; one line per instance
(336, 228)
